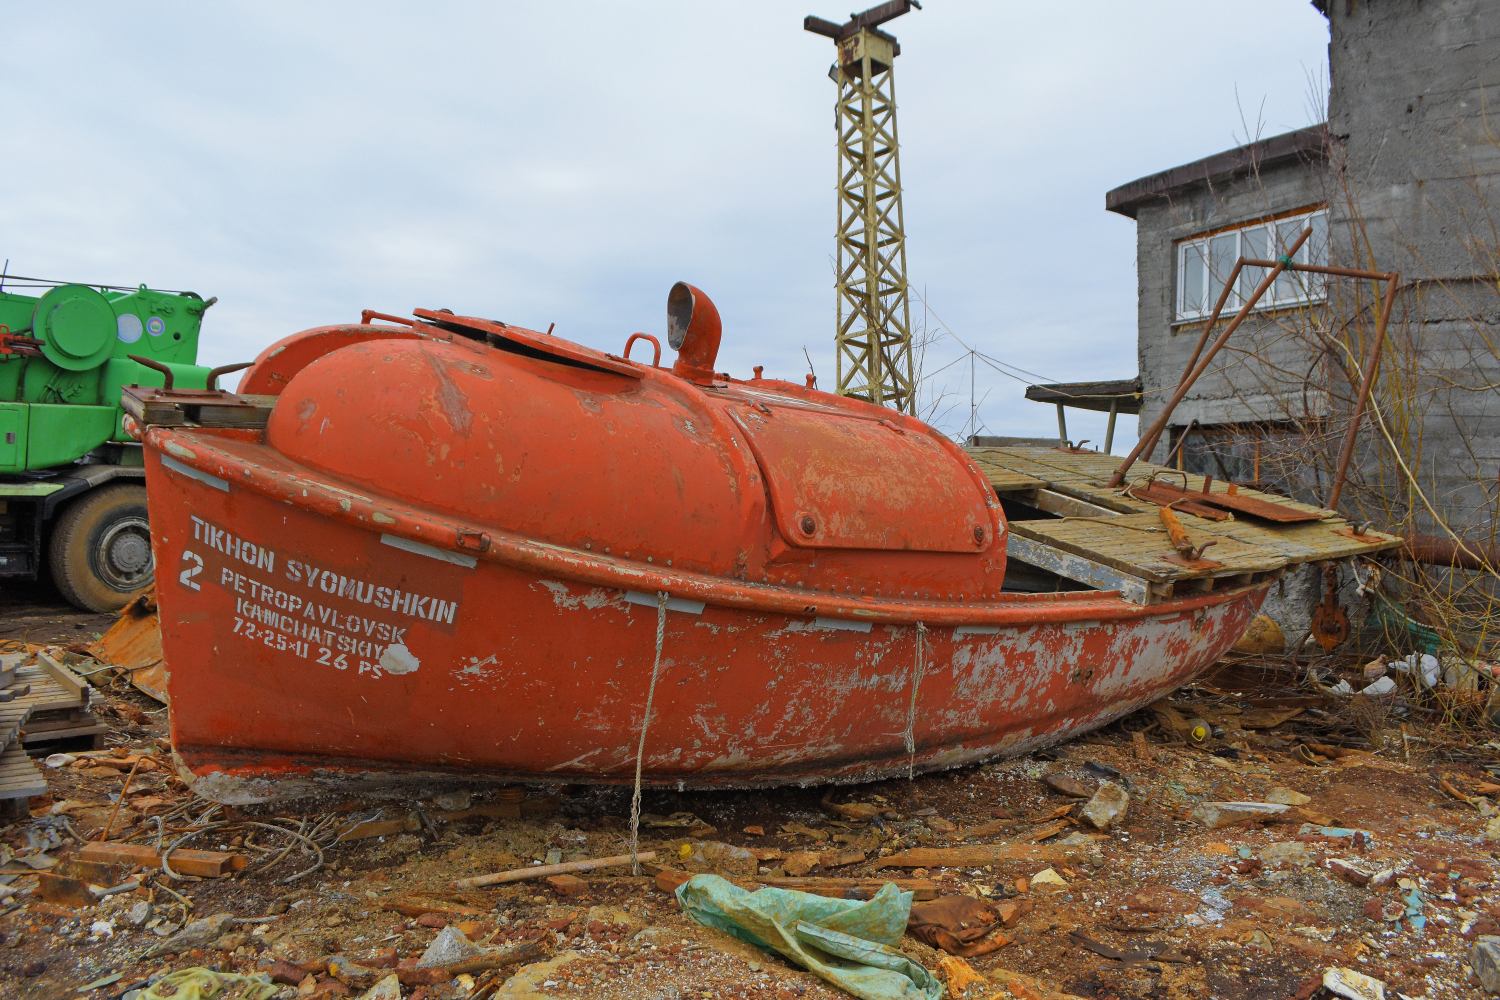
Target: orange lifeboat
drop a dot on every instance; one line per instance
(452, 545)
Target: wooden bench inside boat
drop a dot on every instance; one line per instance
(1069, 529)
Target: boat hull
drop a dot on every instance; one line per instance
(311, 634)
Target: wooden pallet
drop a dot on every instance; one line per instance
(20, 778)
(55, 705)
(1067, 520)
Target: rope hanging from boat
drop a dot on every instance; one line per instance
(640, 749)
(918, 668)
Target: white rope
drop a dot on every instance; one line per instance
(911, 710)
(640, 749)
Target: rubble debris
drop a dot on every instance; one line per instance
(449, 947)
(1148, 951)
(1048, 878)
(857, 812)
(1484, 959)
(1287, 797)
(1065, 784)
(721, 858)
(388, 988)
(1216, 815)
(974, 855)
(847, 943)
(542, 871)
(1107, 806)
(1353, 985)
(196, 934)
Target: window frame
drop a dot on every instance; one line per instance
(1307, 288)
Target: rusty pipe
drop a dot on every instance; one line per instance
(153, 364)
(694, 330)
(1366, 387)
(1195, 372)
(368, 316)
(1437, 551)
(212, 382)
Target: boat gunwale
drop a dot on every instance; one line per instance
(194, 447)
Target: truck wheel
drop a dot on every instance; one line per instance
(100, 554)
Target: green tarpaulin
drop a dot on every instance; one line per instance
(847, 942)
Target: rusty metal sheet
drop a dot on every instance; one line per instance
(1266, 510)
(840, 481)
(133, 644)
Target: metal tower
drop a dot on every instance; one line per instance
(874, 313)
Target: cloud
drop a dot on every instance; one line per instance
(568, 161)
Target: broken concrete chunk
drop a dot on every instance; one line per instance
(1353, 985)
(800, 863)
(388, 988)
(1219, 814)
(1107, 806)
(1484, 958)
(1289, 854)
(1348, 871)
(451, 945)
(1048, 879)
(1287, 797)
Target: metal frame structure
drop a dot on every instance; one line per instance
(1199, 361)
(873, 332)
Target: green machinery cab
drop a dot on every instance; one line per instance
(72, 495)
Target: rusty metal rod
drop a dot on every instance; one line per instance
(1193, 374)
(1366, 387)
(1229, 283)
(1340, 272)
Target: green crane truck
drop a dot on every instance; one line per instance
(72, 490)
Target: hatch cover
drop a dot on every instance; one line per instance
(846, 482)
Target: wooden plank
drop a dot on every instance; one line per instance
(64, 678)
(1063, 505)
(1079, 569)
(205, 864)
(1137, 544)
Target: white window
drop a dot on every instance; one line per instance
(1205, 263)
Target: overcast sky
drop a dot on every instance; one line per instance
(566, 162)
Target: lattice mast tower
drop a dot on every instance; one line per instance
(873, 334)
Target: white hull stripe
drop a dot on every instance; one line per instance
(841, 624)
(430, 551)
(192, 473)
(673, 603)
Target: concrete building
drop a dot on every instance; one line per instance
(1404, 176)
